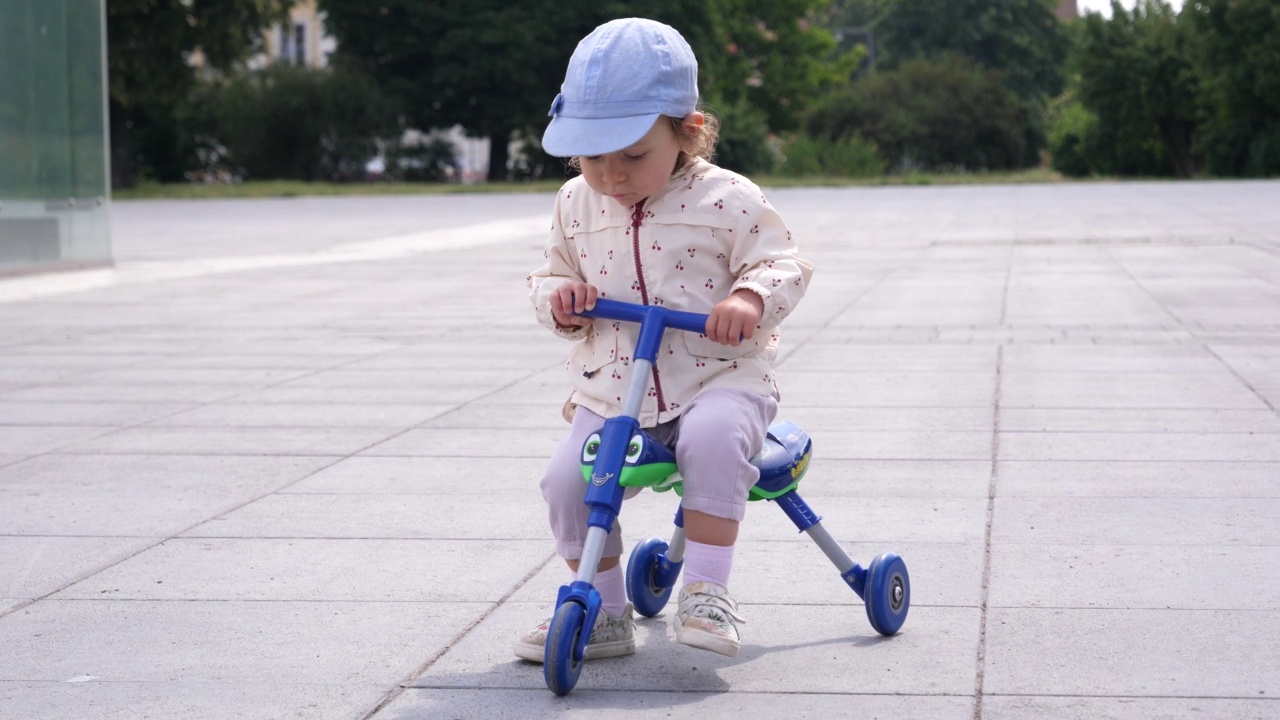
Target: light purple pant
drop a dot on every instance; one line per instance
(713, 441)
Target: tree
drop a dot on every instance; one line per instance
(149, 43)
(940, 114)
(1137, 78)
(494, 66)
(1022, 39)
(299, 123)
(1239, 69)
(488, 65)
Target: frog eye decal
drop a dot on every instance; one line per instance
(635, 448)
(590, 449)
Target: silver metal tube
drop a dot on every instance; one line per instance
(640, 373)
(592, 551)
(675, 550)
(834, 552)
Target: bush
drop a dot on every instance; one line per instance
(298, 123)
(1072, 130)
(847, 157)
(432, 159)
(744, 145)
(946, 114)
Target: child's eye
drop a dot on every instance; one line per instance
(592, 157)
(634, 157)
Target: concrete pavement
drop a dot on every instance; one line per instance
(282, 461)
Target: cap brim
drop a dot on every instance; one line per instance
(569, 137)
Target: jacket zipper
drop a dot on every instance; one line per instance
(637, 215)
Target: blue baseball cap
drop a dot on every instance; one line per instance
(622, 77)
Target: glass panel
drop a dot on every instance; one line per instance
(53, 182)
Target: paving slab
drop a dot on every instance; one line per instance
(1142, 420)
(135, 496)
(1116, 576)
(371, 475)
(998, 707)
(354, 570)
(1136, 446)
(227, 642)
(1138, 521)
(1128, 390)
(1225, 479)
(31, 567)
(502, 704)
(191, 700)
(269, 441)
(36, 439)
(250, 415)
(1135, 653)
(86, 414)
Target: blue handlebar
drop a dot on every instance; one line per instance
(653, 320)
(632, 312)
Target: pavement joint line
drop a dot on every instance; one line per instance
(1243, 381)
(400, 687)
(981, 661)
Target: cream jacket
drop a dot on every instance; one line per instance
(708, 233)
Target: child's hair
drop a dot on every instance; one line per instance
(701, 144)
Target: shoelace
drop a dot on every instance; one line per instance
(718, 602)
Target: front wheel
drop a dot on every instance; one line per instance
(646, 593)
(887, 594)
(559, 667)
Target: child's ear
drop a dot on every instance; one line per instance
(691, 127)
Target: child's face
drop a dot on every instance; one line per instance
(636, 172)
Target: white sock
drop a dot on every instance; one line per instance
(612, 587)
(707, 563)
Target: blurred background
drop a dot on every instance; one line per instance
(213, 93)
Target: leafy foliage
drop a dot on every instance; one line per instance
(1022, 39)
(1239, 44)
(289, 122)
(943, 114)
(1137, 79)
(494, 67)
(149, 76)
(851, 156)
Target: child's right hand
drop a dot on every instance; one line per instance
(570, 298)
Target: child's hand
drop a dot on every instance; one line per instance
(735, 318)
(573, 297)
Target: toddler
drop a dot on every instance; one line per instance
(650, 220)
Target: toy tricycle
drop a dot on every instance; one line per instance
(623, 455)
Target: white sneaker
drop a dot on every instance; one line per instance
(707, 619)
(611, 637)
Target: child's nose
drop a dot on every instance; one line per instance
(613, 171)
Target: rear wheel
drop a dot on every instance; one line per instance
(887, 594)
(644, 590)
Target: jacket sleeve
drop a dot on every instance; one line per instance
(766, 261)
(560, 267)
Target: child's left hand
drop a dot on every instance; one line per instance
(734, 319)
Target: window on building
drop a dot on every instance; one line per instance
(293, 44)
(300, 44)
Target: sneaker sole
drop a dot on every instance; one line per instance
(595, 651)
(706, 641)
